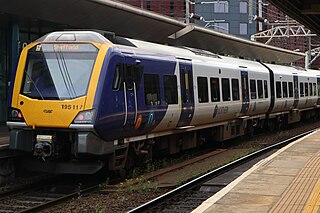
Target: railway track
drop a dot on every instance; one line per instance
(41, 195)
(190, 195)
(7, 165)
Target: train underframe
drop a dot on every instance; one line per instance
(65, 151)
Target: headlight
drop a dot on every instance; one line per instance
(85, 117)
(15, 115)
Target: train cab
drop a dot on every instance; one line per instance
(53, 90)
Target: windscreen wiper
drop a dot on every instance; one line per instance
(63, 72)
(68, 75)
(34, 84)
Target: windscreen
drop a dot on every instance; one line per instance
(58, 71)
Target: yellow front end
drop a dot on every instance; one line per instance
(38, 112)
(52, 111)
(55, 114)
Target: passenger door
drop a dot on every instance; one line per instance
(132, 76)
(296, 91)
(245, 92)
(187, 93)
(318, 90)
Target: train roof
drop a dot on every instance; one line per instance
(140, 47)
(196, 55)
(73, 36)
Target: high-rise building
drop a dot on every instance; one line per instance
(233, 17)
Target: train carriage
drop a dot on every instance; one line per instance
(82, 100)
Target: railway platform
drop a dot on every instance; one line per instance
(286, 181)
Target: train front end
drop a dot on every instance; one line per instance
(51, 113)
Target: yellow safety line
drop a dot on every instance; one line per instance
(314, 200)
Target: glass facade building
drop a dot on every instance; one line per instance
(232, 17)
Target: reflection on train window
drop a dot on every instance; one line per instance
(278, 89)
(301, 90)
(290, 89)
(151, 89)
(46, 73)
(202, 89)
(225, 89)
(253, 89)
(314, 89)
(265, 85)
(306, 89)
(170, 89)
(260, 89)
(285, 89)
(235, 89)
(310, 89)
(215, 89)
(117, 80)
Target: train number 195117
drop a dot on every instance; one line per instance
(71, 106)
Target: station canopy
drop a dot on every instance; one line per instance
(128, 21)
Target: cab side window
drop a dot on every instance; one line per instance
(118, 77)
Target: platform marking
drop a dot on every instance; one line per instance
(212, 200)
(313, 202)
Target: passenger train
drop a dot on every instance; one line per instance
(83, 100)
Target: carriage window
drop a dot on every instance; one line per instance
(301, 90)
(290, 89)
(310, 89)
(235, 89)
(265, 85)
(306, 89)
(260, 89)
(202, 89)
(253, 89)
(151, 89)
(285, 89)
(215, 89)
(170, 89)
(278, 89)
(117, 79)
(314, 89)
(225, 89)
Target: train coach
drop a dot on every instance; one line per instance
(82, 100)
